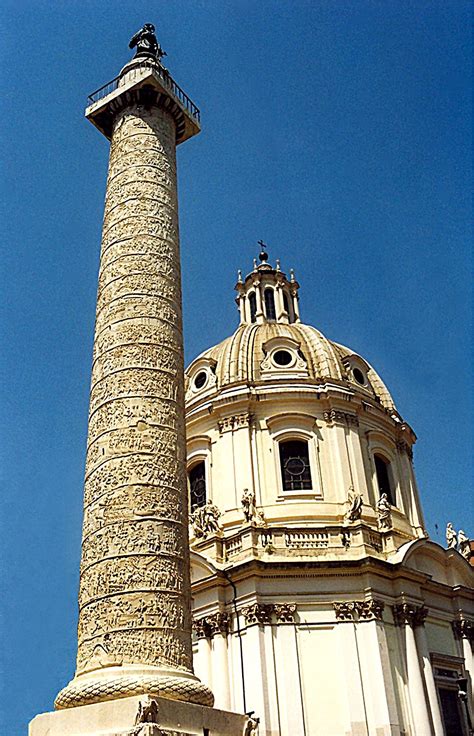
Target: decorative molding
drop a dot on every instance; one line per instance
(463, 629)
(285, 612)
(369, 610)
(258, 613)
(408, 614)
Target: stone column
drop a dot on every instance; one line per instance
(409, 617)
(134, 630)
(424, 653)
(464, 630)
(218, 625)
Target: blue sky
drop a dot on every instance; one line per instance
(339, 132)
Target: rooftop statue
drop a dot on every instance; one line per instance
(146, 43)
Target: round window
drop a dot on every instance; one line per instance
(282, 357)
(200, 379)
(359, 376)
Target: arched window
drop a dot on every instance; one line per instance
(253, 306)
(286, 304)
(269, 304)
(383, 478)
(197, 485)
(295, 468)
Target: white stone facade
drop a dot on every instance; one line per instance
(319, 606)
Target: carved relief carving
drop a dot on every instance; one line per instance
(408, 614)
(134, 588)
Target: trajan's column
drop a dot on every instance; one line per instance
(134, 658)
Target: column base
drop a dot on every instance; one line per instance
(110, 683)
(122, 718)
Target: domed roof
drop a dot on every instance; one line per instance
(241, 358)
(272, 344)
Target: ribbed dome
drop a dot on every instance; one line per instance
(239, 359)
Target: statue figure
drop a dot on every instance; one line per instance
(146, 43)
(384, 511)
(205, 519)
(451, 536)
(147, 711)
(248, 505)
(210, 517)
(251, 727)
(355, 506)
(464, 545)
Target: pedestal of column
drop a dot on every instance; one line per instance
(121, 718)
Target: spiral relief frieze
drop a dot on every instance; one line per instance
(134, 587)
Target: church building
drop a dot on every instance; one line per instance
(319, 603)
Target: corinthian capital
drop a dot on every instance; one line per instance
(258, 613)
(463, 629)
(408, 614)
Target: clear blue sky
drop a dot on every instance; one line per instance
(339, 132)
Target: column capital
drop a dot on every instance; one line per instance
(285, 612)
(368, 610)
(200, 628)
(217, 623)
(463, 629)
(258, 613)
(409, 614)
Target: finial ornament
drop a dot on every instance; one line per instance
(292, 275)
(239, 277)
(263, 255)
(278, 267)
(146, 43)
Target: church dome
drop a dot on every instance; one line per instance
(272, 350)
(272, 344)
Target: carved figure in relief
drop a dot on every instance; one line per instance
(464, 545)
(451, 536)
(384, 512)
(355, 505)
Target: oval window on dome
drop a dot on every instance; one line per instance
(200, 380)
(282, 357)
(359, 376)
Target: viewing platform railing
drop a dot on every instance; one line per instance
(164, 76)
